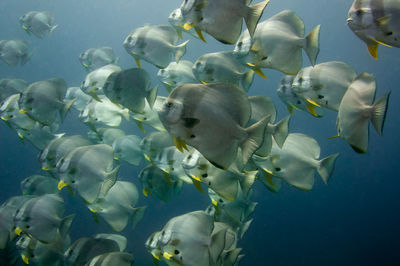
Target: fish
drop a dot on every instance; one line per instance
(9, 87)
(117, 207)
(95, 80)
(9, 113)
(103, 112)
(235, 213)
(8, 210)
(112, 258)
(278, 43)
(106, 135)
(154, 142)
(94, 58)
(42, 100)
(130, 88)
(262, 106)
(178, 22)
(155, 44)
(149, 116)
(222, 67)
(270, 182)
(14, 52)
(324, 84)
(293, 101)
(127, 148)
(297, 161)
(88, 170)
(204, 117)
(176, 74)
(357, 108)
(187, 240)
(80, 98)
(41, 218)
(42, 254)
(375, 22)
(39, 23)
(86, 248)
(57, 148)
(39, 136)
(39, 185)
(222, 19)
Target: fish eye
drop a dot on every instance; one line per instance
(220, 200)
(176, 252)
(204, 175)
(359, 13)
(278, 169)
(192, 136)
(169, 105)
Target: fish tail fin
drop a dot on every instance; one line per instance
(137, 215)
(326, 167)
(53, 28)
(244, 227)
(254, 15)
(248, 181)
(379, 112)
(217, 245)
(312, 44)
(281, 131)
(110, 180)
(247, 80)
(255, 138)
(233, 257)
(67, 106)
(66, 224)
(151, 97)
(180, 51)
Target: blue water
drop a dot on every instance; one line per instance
(354, 220)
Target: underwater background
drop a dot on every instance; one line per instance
(354, 220)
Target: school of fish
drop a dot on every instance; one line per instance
(207, 133)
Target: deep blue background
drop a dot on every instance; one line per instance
(352, 221)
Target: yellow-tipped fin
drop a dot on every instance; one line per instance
(145, 192)
(20, 135)
(167, 255)
(140, 126)
(188, 26)
(195, 178)
(269, 180)
(313, 102)
(179, 144)
(214, 202)
(147, 158)
(22, 111)
(200, 34)
(197, 185)
(155, 255)
(259, 72)
(45, 169)
(311, 109)
(137, 60)
(61, 184)
(333, 137)
(25, 259)
(373, 49)
(202, 81)
(18, 231)
(4, 118)
(268, 171)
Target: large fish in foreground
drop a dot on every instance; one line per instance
(211, 118)
(375, 22)
(222, 19)
(357, 108)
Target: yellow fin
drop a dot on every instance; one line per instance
(145, 193)
(313, 102)
(25, 259)
(22, 111)
(147, 158)
(167, 255)
(179, 143)
(383, 43)
(259, 72)
(200, 34)
(197, 185)
(188, 26)
(268, 171)
(140, 126)
(116, 158)
(333, 137)
(180, 34)
(269, 180)
(202, 81)
(155, 255)
(45, 169)
(61, 184)
(195, 178)
(373, 50)
(311, 109)
(18, 231)
(383, 21)
(137, 60)
(4, 118)
(214, 202)
(92, 210)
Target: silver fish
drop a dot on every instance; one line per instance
(14, 52)
(40, 23)
(94, 58)
(176, 74)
